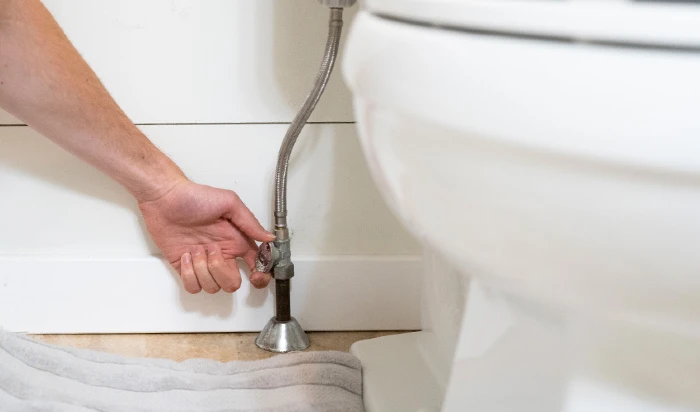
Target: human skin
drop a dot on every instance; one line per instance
(45, 82)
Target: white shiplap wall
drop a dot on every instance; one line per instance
(73, 253)
(211, 61)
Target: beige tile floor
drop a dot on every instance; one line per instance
(219, 346)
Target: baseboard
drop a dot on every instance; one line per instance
(56, 294)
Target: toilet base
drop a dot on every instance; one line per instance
(396, 377)
(513, 354)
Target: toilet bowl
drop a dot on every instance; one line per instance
(547, 156)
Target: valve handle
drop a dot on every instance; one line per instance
(264, 260)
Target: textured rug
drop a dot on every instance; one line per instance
(36, 376)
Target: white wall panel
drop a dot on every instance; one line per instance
(208, 78)
(48, 294)
(52, 203)
(74, 257)
(211, 61)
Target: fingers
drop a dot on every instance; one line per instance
(226, 273)
(201, 269)
(189, 279)
(251, 255)
(260, 280)
(208, 270)
(244, 220)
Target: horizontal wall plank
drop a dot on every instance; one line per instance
(48, 294)
(214, 61)
(52, 203)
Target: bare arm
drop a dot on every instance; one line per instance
(45, 83)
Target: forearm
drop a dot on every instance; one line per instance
(45, 83)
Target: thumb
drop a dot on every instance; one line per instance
(243, 218)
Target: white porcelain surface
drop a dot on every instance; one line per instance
(569, 173)
(617, 21)
(562, 181)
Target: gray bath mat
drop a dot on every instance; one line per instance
(39, 377)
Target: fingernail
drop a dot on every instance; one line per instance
(186, 258)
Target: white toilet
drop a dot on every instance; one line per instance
(547, 154)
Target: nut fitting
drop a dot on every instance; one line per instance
(276, 258)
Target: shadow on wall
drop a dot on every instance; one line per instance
(300, 32)
(37, 158)
(387, 236)
(220, 305)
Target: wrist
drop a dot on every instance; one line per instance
(156, 180)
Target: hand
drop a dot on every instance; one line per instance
(201, 230)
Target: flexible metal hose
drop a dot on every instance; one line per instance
(324, 73)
